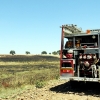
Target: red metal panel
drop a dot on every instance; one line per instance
(67, 70)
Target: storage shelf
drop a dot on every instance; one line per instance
(80, 48)
(79, 34)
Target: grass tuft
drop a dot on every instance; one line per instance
(39, 84)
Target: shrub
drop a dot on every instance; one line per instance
(39, 84)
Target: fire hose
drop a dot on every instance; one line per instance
(94, 69)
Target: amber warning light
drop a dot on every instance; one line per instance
(88, 31)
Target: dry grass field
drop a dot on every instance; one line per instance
(19, 71)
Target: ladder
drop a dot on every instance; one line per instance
(70, 28)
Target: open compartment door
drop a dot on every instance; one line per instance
(67, 68)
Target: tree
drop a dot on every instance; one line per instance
(27, 52)
(43, 52)
(54, 53)
(58, 52)
(12, 52)
(50, 53)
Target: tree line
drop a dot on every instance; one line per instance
(54, 52)
(43, 52)
(13, 52)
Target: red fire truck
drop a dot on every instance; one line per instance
(79, 54)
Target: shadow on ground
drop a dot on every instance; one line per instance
(92, 89)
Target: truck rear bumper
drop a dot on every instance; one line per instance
(84, 79)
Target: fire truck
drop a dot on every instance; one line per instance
(79, 54)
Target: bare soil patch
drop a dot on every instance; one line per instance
(60, 90)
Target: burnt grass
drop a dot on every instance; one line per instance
(24, 58)
(28, 73)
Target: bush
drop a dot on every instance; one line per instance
(39, 84)
(43, 52)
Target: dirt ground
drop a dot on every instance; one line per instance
(60, 90)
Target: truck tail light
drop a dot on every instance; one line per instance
(64, 71)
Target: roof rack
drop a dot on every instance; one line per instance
(70, 29)
(95, 30)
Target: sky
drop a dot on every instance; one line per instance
(34, 25)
